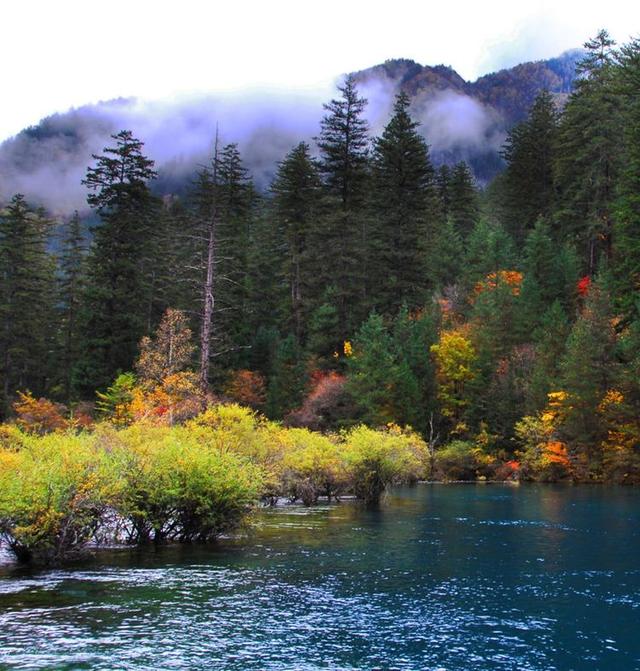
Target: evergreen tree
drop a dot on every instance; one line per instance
(626, 241)
(414, 396)
(463, 200)
(324, 327)
(27, 286)
(297, 194)
(237, 201)
(266, 258)
(489, 249)
(443, 185)
(528, 179)
(372, 371)
(587, 156)
(343, 144)
(389, 371)
(550, 338)
(547, 264)
(287, 377)
(405, 213)
(71, 284)
(588, 370)
(118, 293)
(221, 240)
(447, 252)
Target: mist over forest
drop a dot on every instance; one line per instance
(460, 121)
(458, 260)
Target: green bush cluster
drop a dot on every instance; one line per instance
(146, 483)
(463, 460)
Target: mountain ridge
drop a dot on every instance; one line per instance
(460, 120)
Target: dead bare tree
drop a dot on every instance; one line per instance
(209, 280)
(432, 442)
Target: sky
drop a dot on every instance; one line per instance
(57, 54)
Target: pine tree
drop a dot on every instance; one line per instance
(343, 144)
(414, 394)
(588, 370)
(287, 377)
(544, 264)
(27, 294)
(297, 194)
(587, 163)
(405, 213)
(372, 371)
(220, 241)
(71, 285)
(489, 249)
(389, 370)
(529, 179)
(463, 207)
(550, 338)
(626, 240)
(447, 254)
(268, 295)
(117, 297)
(443, 185)
(237, 202)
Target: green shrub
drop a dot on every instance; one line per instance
(376, 459)
(54, 493)
(172, 487)
(460, 460)
(312, 466)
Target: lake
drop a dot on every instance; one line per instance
(440, 577)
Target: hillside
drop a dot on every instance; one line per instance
(460, 120)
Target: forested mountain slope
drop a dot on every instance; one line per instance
(460, 121)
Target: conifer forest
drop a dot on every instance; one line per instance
(495, 327)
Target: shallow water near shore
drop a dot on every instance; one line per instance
(439, 577)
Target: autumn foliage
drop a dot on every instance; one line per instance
(153, 482)
(324, 404)
(39, 415)
(510, 278)
(544, 456)
(247, 387)
(454, 355)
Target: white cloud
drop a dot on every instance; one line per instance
(66, 53)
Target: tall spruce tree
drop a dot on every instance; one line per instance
(117, 296)
(343, 144)
(443, 182)
(237, 204)
(71, 284)
(626, 240)
(550, 338)
(548, 264)
(588, 370)
(489, 249)
(529, 179)
(587, 162)
(220, 235)
(405, 214)
(297, 198)
(463, 207)
(27, 295)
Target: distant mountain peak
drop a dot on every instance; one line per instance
(460, 120)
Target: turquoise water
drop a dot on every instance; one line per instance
(440, 577)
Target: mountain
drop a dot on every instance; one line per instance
(460, 120)
(469, 120)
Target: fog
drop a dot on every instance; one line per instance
(47, 162)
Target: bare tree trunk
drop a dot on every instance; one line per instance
(209, 283)
(431, 447)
